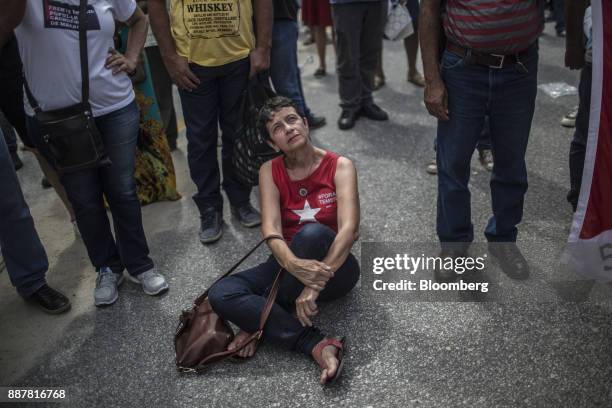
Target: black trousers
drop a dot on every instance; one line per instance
(359, 43)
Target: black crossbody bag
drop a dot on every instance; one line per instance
(70, 133)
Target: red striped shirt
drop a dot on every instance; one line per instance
(495, 26)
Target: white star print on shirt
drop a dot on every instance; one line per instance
(307, 214)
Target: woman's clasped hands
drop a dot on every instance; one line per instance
(314, 275)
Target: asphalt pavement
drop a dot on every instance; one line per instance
(547, 344)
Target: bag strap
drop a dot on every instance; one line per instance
(83, 53)
(200, 298)
(82, 56)
(263, 318)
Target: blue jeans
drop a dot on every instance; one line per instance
(240, 298)
(86, 191)
(23, 253)
(284, 69)
(507, 97)
(215, 103)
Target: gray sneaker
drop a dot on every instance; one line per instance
(107, 283)
(152, 282)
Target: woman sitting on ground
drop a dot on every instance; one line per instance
(310, 197)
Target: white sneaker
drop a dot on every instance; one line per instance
(569, 120)
(432, 167)
(152, 282)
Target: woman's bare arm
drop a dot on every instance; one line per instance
(347, 196)
(310, 272)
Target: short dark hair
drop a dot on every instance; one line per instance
(268, 110)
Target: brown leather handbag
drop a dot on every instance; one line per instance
(202, 336)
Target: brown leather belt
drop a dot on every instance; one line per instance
(490, 60)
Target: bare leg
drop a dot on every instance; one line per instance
(321, 42)
(411, 45)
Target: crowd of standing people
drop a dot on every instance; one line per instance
(480, 62)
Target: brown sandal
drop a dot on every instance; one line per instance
(317, 354)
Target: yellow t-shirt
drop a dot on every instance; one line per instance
(212, 32)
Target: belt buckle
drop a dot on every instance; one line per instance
(502, 58)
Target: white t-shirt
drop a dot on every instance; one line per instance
(48, 40)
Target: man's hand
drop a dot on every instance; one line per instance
(260, 60)
(574, 57)
(182, 76)
(311, 273)
(436, 99)
(306, 306)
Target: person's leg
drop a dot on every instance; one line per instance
(284, 69)
(119, 131)
(9, 134)
(313, 241)
(411, 44)
(559, 13)
(11, 105)
(84, 190)
(581, 135)
(321, 42)
(513, 94)
(232, 84)
(200, 109)
(162, 84)
(484, 142)
(241, 297)
(379, 76)
(54, 179)
(370, 47)
(23, 253)
(467, 87)
(347, 24)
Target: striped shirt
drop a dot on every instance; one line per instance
(493, 26)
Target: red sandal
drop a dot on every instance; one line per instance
(340, 344)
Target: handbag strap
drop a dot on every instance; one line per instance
(82, 56)
(263, 318)
(200, 298)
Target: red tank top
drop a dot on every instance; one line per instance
(312, 199)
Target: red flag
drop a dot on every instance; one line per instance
(590, 241)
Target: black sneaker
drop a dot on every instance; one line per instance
(49, 300)
(374, 112)
(510, 259)
(211, 227)
(247, 216)
(314, 121)
(16, 160)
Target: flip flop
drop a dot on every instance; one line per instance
(340, 344)
(320, 72)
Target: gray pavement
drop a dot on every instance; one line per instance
(534, 349)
